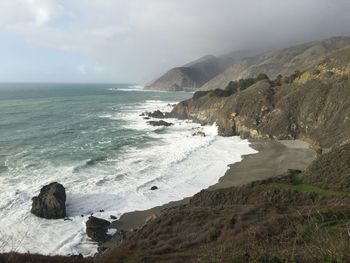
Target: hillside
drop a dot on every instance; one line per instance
(284, 61)
(313, 105)
(284, 219)
(300, 216)
(190, 76)
(212, 72)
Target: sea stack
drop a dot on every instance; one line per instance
(51, 202)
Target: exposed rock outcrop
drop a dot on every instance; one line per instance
(315, 106)
(51, 202)
(160, 123)
(96, 229)
(156, 114)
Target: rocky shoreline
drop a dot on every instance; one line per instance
(273, 159)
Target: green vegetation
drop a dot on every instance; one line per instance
(296, 182)
(239, 85)
(306, 188)
(232, 87)
(199, 94)
(331, 170)
(242, 84)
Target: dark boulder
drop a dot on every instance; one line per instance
(154, 188)
(160, 123)
(51, 202)
(156, 114)
(96, 229)
(199, 133)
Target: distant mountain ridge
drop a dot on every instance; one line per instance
(211, 72)
(190, 76)
(278, 62)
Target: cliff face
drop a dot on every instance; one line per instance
(315, 107)
(190, 76)
(177, 79)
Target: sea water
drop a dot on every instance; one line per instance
(92, 139)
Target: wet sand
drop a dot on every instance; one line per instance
(273, 159)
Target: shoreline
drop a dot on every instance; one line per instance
(273, 159)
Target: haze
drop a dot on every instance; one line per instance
(137, 40)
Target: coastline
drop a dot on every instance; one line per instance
(273, 159)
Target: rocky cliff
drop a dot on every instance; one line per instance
(212, 72)
(313, 105)
(190, 76)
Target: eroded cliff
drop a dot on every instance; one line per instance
(313, 105)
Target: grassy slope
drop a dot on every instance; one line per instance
(291, 218)
(275, 220)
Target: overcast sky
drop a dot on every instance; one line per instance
(136, 40)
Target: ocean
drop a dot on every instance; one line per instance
(91, 139)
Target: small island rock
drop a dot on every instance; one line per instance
(159, 123)
(51, 202)
(156, 114)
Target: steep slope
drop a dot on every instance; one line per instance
(283, 62)
(331, 170)
(190, 76)
(282, 219)
(314, 106)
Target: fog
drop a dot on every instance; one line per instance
(136, 40)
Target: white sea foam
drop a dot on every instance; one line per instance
(130, 88)
(178, 163)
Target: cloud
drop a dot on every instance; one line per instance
(135, 40)
(28, 13)
(83, 69)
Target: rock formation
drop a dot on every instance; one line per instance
(51, 202)
(159, 123)
(96, 229)
(313, 105)
(156, 114)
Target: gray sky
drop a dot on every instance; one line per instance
(136, 40)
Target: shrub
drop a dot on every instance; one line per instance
(199, 94)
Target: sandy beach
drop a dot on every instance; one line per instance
(273, 159)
